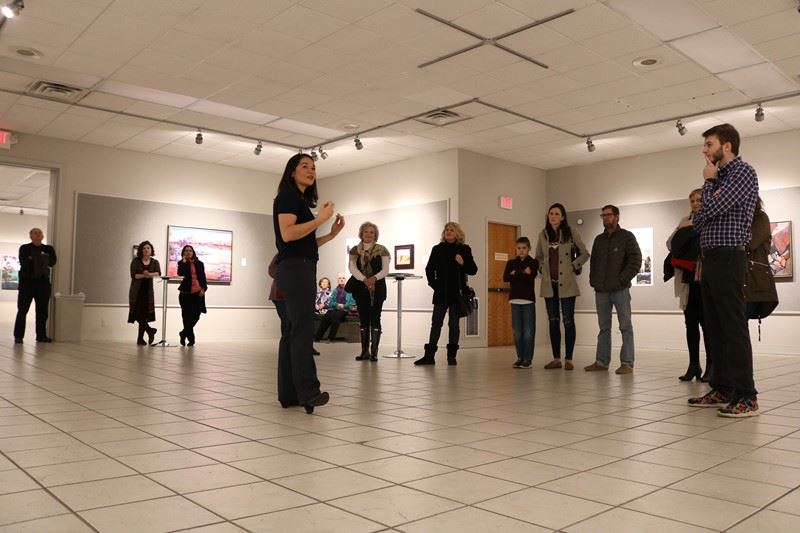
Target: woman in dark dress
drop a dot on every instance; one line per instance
(192, 290)
(141, 300)
(449, 265)
(369, 264)
(295, 236)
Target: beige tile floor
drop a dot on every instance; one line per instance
(115, 438)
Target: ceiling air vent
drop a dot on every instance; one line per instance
(56, 91)
(442, 117)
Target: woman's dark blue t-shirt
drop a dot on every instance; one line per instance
(290, 201)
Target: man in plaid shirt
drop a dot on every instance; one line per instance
(730, 193)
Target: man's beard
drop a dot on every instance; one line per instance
(717, 156)
(609, 225)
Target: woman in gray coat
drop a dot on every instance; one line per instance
(560, 252)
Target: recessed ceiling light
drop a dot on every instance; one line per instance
(645, 62)
(26, 52)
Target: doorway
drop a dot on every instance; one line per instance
(24, 204)
(501, 248)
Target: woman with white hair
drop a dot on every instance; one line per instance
(369, 264)
(449, 265)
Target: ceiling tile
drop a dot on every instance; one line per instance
(666, 20)
(301, 20)
(781, 48)
(717, 50)
(186, 45)
(438, 97)
(760, 81)
(769, 27)
(226, 27)
(41, 31)
(448, 9)
(541, 9)
(493, 20)
(600, 73)
(349, 10)
(27, 119)
(587, 22)
(569, 58)
(622, 41)
(731, 12)
(536, 41)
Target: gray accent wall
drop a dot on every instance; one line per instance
(663, 217)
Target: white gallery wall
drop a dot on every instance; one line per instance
(482, 180)
(671, 175)
(107, 171)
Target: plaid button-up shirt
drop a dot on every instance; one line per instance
(729, 201)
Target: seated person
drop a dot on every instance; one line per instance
(340, 304)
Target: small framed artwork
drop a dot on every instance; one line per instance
(780, 252)
(404, 257)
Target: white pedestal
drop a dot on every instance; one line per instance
(399, 277)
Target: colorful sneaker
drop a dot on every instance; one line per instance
(710, 399)
(740, 409)
(596, 367)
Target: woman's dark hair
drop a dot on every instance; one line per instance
(566, 232)
(759, 204)
(189, 246)
(141, 247)
(287, 180)
(323, 278)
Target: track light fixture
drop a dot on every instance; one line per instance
(198, 139)
(590, 145)
(681, 128)
(314, 155)
(322, 153)
(759, 113)
(12, 9)
(258, 148)
(358, 143)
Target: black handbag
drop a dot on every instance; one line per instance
(466, 297)
(466, 301)
(353, 285)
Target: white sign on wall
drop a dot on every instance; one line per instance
(644, 236)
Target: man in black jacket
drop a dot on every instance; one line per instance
(616, 259)
(35, 261)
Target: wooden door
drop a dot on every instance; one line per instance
(502, 246)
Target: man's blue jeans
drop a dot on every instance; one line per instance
(523, 321)
(621, 301)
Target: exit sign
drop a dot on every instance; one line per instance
(506, 202)
(6, 139)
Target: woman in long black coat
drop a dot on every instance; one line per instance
(141, 299)
(192, 292)
(449, 265)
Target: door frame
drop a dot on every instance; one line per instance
(485, 291)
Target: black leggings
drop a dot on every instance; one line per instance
(369, 311)
(191, 305)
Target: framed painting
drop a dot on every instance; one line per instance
(10, 273)
(214, 247)
(404, 257)
(780, 251)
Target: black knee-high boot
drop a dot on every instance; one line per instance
(376, 340)
(140, 337)
(364, 345)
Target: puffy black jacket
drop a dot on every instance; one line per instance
(615, 260)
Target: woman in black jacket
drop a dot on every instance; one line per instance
(192, 292)
(449, 265)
